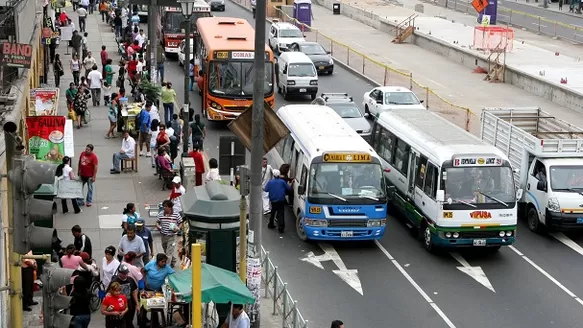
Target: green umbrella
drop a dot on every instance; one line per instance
(218, 285)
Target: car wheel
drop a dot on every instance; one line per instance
(285, 95)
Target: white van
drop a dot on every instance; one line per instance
(296, 75)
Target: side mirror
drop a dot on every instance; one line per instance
(379, 101)
(328, 52)
(200, 73)
(305, 36)
(541, 185)
(301, 190)
(284, 71)
(519, 193)
(391, 191)
(366, 115)
(421, 101)
(440, 196)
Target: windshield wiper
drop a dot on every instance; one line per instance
(337, 197)
(494, 198)
(465, 203)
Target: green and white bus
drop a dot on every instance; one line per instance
(453, 189)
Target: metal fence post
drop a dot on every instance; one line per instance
(332, 47)
(295, 318)
(411, 81)
(305, 324)
(348, 57)
(468, 116)
(363, 61)
(266, 261)
(386, 76)
(275, 291)
(539, 25)
(427, 97)
(284, 306)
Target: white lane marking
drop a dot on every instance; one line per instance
(475, 272)
(567, 241)
(415, 285)
(349, 276)
(548, 275)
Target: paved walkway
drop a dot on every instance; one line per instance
(101, 222)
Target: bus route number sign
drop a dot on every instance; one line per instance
(346, 158)
(222, 55)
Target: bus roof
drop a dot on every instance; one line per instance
(320, 129)
(227, 33)
(436, 137)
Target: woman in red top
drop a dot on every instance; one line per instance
(132, 66)
(114, 307)
(162, 140)
(198, 165)
(63, 18)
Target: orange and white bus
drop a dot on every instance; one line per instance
(172, 25)
(225, 49)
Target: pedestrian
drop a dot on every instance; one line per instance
(146, 235)
(95, 83)
(109, 265)
(168, 98)
(176, 124)
(560, 4)
(58, 69)
(161, 58)
(84, 49)
(81, 241)
(79, 305)
(198, 165)
(112, 112)
(64, 172)
(80, 104)
(129, 289)
(135, 272)
(107, 91)
(169, 224)
(129, 217)
(127, 151)
(337, 324)
(130, 242)
(191, 73)
(213, 173)
(154, 135)
(121, 74)
(84, 4)
(103, 10)
(72, 261)
(143, 122)
(28, 267)
(238, 318)
(109, 73)
(76, 41)
(88, 63)
(75, 66)
(114, 307)
(266, 176)
(88, 164)
(277, 188)
(75, 4)
(117, 23)
(82, 13)
(104, 56)
(178, 191)
(198, 132)
(91, 6)
(162, 139)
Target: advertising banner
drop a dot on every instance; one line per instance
(46, 137)
(44, 102)
(16, 55)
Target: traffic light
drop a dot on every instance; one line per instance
(27, 175)
(54, 278)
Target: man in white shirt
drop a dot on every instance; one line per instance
(88, 63)
(175, 196)
(127, 151)
(82, 12)
(95, 79)
(85, 4)
(239, 318)
(141, 38)
(266, 175)
(140, 65)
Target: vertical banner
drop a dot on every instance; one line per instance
(46, 137)
(44, 102)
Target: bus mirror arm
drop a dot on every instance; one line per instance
(301, 190)
(440, 195)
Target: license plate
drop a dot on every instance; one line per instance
(579, 220)
(346, 234)
(320, 67)
(479, 242)
(303, 90)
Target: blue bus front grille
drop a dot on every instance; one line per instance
(353, 223)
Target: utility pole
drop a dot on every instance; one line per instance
(152, 37)
(258, 128)
(186, 104)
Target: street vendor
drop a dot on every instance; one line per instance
(157, 270)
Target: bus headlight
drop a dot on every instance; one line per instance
(215, 105)
(456, 235)
(315, 223)
(376, 223)
(314, 82)
(553, 205)
(291, 82)
(502, 234)
(448, 234)
(508, 233)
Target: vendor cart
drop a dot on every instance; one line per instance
(129, 112)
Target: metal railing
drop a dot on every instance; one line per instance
(276, 290)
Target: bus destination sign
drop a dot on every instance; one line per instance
(238, 55)
(347, 157)
(477, 161)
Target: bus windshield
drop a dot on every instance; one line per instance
(236, 78)
(344, 181)
(480, 185)
(175, 22)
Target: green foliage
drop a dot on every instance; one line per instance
(150, 90)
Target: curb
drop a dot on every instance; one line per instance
(336, 61)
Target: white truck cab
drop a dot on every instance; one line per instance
(547, 157)
(282, 35)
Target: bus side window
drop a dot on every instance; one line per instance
(386, 145)
(421, 170)
(402, 157)
(304, 176)
(288, 150)
(431, 180)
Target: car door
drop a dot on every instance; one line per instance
(283, 76)
(371, 101)
(537, 172)
(273, 37)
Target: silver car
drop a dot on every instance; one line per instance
(344, 105)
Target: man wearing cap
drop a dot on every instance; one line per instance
(176, 195)
(277, 188)
(129, 288)
(146, 235)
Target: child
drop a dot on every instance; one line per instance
(106, 93)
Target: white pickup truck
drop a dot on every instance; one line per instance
(546, 154)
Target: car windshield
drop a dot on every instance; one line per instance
(313, 49)
(567, 178)
(304, 69)
(342, 181)
(345, 110)
(175, 22)
(236, 78)
(480, 184)
(401, 98)
(290, 33)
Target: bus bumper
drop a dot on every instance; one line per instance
(214, 114)
(470, 242)
(170, 50)
(323, 233)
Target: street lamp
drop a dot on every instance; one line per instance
(187, 7)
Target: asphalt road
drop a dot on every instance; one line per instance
(529, 22)
(534, 284)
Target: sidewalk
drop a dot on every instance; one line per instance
(101, 222)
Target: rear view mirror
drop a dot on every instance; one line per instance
(284, 71)
(301, 190)
(440, 195)
(421, 101)
(328, 52)
(519, 193)
(541, 185)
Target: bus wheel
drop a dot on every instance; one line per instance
(427, 238)
(300, 228)
(533, 222)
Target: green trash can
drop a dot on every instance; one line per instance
(45, 192)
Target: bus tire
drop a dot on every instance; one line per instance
(533, 220)
(299, 228)
(427, 238)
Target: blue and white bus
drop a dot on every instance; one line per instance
(338, 191)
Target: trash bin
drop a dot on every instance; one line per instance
(45, 192)
(336, 8)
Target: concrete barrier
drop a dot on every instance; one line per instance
(554, 92)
